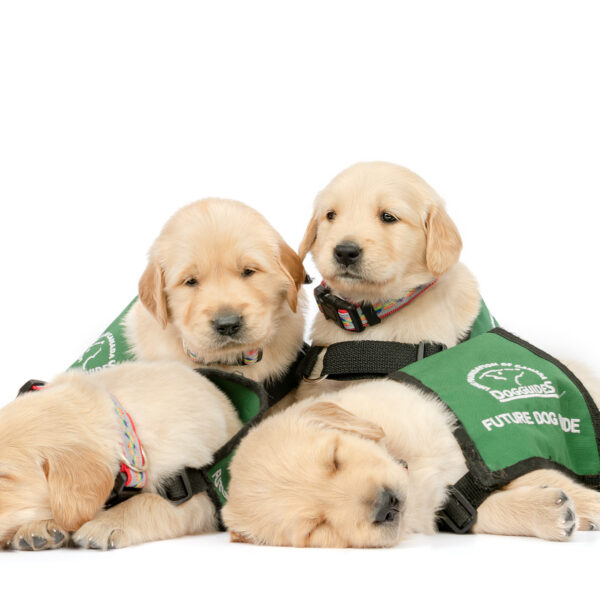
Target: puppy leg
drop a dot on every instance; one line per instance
(146, 518)
(544, 512)
(39, 535)
(586, 500)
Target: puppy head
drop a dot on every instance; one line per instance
(315, 475)
(47, 470)
(222, 276)
(378, 230)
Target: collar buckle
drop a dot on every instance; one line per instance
(329, 305)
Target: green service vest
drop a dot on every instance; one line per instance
(518, 410)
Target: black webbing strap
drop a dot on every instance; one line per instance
(366, 359)
(282, 386)
(460, 511)
(185, 484)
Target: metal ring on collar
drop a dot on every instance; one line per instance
(314, 379)
(141, 469)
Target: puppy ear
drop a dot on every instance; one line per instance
(152, 292)
(443, 241)
(335, 417)
(309, 238)
(292, 268)
(78, 485)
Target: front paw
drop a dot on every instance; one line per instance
(100, 534)
(556, 519)
(39, 535)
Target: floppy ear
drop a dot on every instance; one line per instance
(443, 241)
(309, 238)
(152, 292)
(292, 268)
(333, 416)
(78, 485)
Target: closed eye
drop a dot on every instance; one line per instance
(334, 464)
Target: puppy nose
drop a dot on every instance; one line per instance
(387, 507)
(347, 253)
(227, 324)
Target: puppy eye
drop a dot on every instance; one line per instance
(191, 282)
(387, 218)
(248, 272)
(331, 215)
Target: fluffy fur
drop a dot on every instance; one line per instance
(312, 475)
(422, 244)
(212, 257)
(60, 453)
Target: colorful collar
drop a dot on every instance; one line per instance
(355, 317)
(133, 459)
(246, 358)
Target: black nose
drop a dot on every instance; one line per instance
(347, 253)
(227, 324)
(387, 507)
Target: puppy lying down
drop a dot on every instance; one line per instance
(363, 466)
(62, 447)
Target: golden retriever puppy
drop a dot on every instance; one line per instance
(363, 466)
(221, 288)
(62, 447)
(380, 233)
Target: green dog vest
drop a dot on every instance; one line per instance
(518, 410)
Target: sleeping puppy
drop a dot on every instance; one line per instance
(221, 288)
(378, 232)
(363, 466)
(61, 449)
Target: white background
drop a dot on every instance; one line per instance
(115, 114)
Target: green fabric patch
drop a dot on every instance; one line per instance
(484, 321)
(512, 403)
(109, 349)
(245, 401)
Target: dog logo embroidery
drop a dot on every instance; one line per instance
(508, 381)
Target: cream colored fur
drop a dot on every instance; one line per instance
(311, 475)
(421, 245)
(239, 263)
(60, 451)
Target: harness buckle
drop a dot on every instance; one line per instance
(329, 305)
(178, 489)
(458, 514)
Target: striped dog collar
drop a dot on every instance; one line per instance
(133, 459)
(246, 358)
(355, 317)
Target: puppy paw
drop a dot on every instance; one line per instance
(555, 516)
(587, 505)
(39, 535)
(100, 534)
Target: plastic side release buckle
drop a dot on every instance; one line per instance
(330, 305)
(458, 514)
(178, 489)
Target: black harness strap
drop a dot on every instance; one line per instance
(460, 510)
(366, 359)
(282, 386)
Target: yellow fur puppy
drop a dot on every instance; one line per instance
(378, 232)
(363, 466)
(61, 449)
(221, 288)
